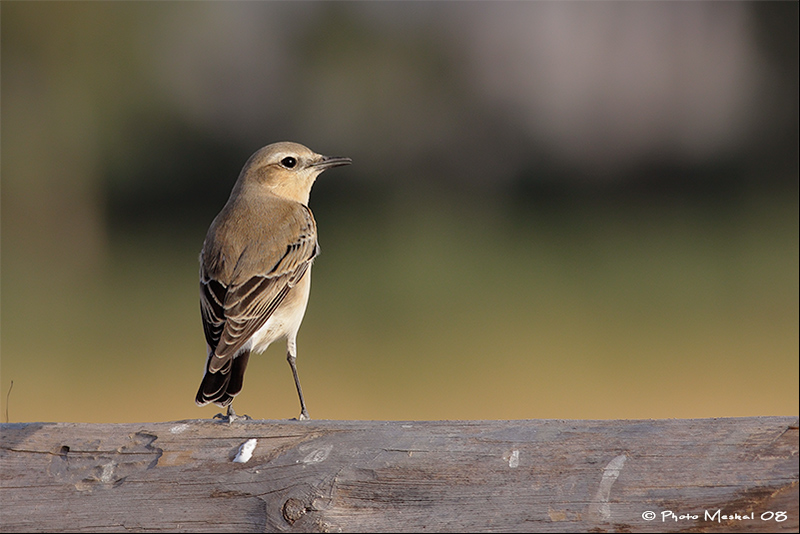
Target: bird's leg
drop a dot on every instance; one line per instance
(292, 358)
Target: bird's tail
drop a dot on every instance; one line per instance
(222, 386)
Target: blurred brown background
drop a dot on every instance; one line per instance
(556, 210)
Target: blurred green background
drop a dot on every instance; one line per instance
(556, 210)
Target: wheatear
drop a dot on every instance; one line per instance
(255, 267)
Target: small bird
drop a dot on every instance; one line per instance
(255, 267)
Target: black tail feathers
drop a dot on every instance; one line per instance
(221, 387)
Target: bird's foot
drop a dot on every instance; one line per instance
(303, 416)
(231, 416)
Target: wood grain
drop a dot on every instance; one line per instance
(390, 476)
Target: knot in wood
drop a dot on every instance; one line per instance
(293, 509)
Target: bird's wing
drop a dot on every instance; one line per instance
(233, 312)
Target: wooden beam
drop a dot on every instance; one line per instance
(711, 475)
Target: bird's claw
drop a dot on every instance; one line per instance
(231, 416)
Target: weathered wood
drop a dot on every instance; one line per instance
(362, 476)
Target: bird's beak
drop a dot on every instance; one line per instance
(332, 161)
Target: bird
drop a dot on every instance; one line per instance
(255, 267)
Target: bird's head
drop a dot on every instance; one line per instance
(287, 169)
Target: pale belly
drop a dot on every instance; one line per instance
(286, 320)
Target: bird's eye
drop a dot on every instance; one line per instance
(289, 162)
